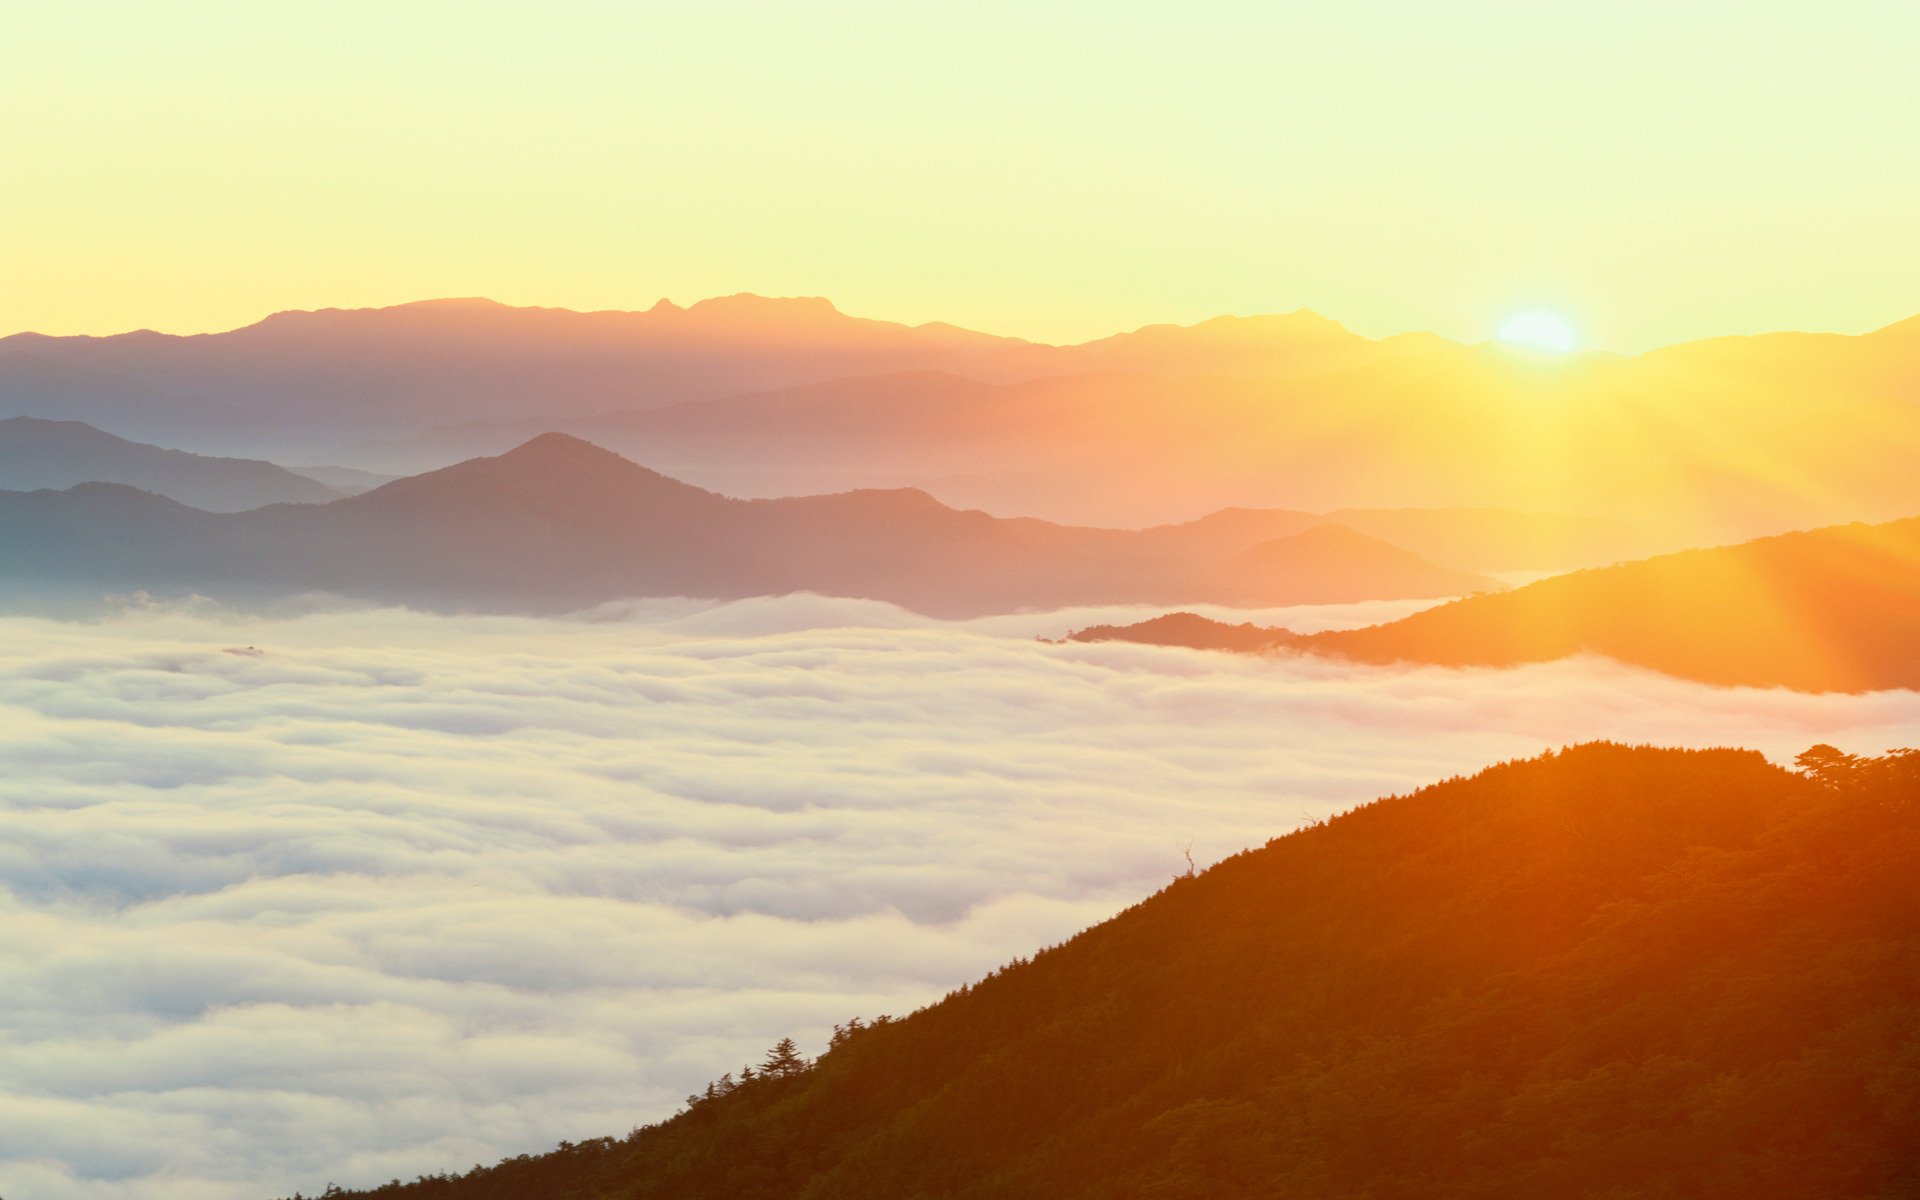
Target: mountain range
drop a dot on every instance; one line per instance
(318, 378)
(1700, 442)
(1607, 972)
(1834, 609)
(1695, 443)
(560, 524)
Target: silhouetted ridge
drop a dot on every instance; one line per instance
(1701, 442)
(558, 523)
(1608, 972)
(37, 453)
(1190, 630)
(1833, 609)
(1905, 328)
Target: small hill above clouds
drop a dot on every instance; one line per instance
(1192, 631)
(37, 454)
(1834, 609)
(559, 523)
(1606, 972)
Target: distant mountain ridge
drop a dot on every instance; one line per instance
(1834, 609)
(559, 523)
(37, 454)
(1699, 443)
(1702, 442)
(323, 378)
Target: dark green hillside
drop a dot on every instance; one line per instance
(1610, 972)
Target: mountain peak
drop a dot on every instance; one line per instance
(553, 444)
(560, 462)
(551, 469)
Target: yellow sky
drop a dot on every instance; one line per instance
(1657, 171)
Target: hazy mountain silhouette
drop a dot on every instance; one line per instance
(1272, 345)
(559, 523)
(334, 374)
(1834, 609)
(859, 432)
(348, 481)
(1610, 971)
(1702, 442)
(37, 454)
(300, 382)
(1479, 539)
(1697, 443)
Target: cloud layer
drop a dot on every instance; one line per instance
(404, 892)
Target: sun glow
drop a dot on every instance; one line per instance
(1537, 330)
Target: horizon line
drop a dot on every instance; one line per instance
(668, 303)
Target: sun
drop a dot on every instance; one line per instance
(1537, 330)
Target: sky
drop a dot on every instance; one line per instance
(1655, 171)
(393, 893)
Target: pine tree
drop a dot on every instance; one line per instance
(783, 1060)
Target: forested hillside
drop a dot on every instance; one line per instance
(1607, 972)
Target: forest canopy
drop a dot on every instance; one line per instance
(1607, 972)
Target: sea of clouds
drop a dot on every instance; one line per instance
(341, 895)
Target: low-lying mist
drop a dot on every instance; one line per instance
(346, 895)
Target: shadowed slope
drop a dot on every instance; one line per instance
(37, 454)
(1604, 973)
